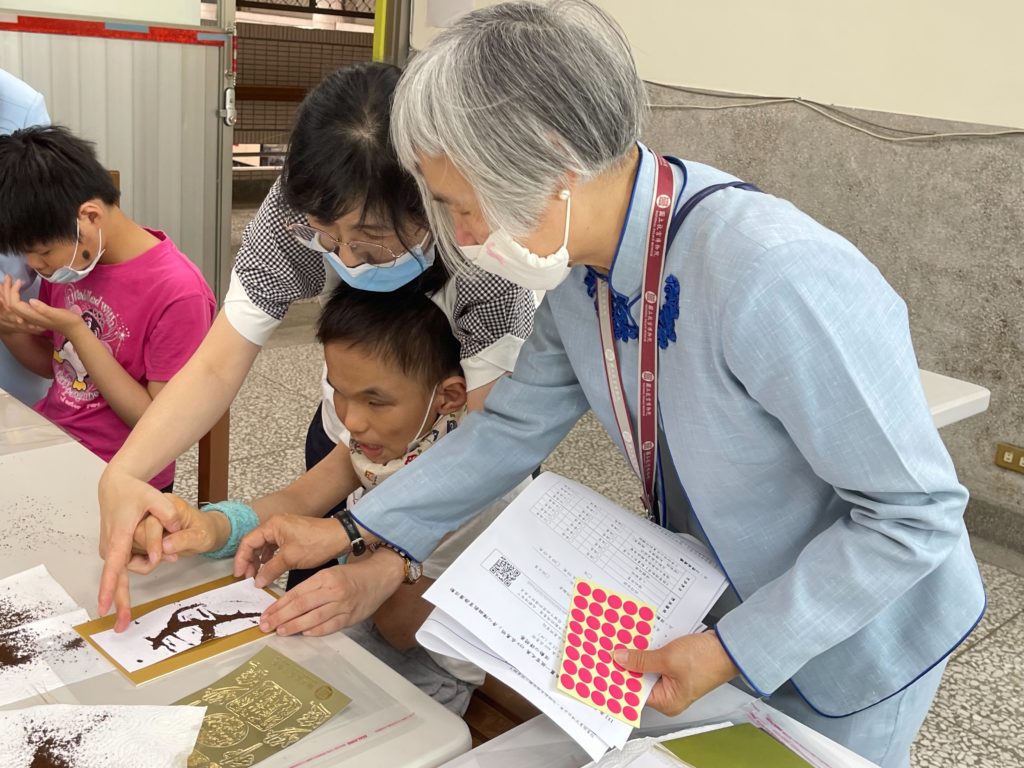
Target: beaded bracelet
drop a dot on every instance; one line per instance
(242, 518)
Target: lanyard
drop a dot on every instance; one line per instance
(641, 447)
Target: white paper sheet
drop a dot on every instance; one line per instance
(30, 596)
(505, 600)
(173, 628)
(97, 737)
(46, 655)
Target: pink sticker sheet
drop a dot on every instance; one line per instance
(600, 621)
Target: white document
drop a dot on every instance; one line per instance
(46, 655)
(504, 603)
(173, 628)
(95, 737)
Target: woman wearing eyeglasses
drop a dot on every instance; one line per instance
(343, 210)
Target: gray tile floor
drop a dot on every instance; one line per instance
(978, 717)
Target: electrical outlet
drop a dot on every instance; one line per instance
(1010, 457)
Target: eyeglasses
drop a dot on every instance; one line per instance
(365, 253)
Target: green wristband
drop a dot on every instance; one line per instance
(242, 518)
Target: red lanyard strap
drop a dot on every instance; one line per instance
(641, 447)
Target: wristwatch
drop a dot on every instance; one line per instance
(358, 542)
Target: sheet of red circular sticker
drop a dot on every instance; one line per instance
(600, 621)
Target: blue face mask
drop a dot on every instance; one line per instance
(68, 274)
(370, 277)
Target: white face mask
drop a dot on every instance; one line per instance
(68, 274)
(501, 255)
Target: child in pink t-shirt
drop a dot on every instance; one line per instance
(120, 310)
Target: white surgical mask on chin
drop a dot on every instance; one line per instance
(501, 255)
(68, 274)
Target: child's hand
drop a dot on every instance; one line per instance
(10, 320)
(200, 532)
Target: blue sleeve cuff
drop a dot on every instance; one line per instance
(242, 518)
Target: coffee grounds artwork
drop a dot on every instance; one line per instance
(205, 620)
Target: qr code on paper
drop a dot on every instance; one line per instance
(504, 571)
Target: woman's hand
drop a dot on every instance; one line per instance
(199, 532)
(124, 502)
(289, 541)
(689, 666)
(337, 597)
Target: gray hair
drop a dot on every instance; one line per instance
(518, 96)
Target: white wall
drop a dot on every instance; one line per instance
(936, 58)
(180, 12)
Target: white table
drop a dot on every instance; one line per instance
(952, 400)
(49, 514)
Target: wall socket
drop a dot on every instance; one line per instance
(1010, 457)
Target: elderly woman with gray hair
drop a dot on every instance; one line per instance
(756, 370)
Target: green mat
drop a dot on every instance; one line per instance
(738, 746)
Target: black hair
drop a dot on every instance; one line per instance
(46, 173)
(340, 157)
(403, 326)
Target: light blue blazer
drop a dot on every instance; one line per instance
(792, 407)
(20, 107)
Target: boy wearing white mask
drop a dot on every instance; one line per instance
(394, 367)
(120, 308)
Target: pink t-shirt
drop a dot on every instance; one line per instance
(151, 313)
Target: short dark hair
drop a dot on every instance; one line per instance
(340, 156)
(46, 173)
(403, 326)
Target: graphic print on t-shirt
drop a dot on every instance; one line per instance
(69, 373)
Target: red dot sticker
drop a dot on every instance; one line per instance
(572, 653)
(646, 613)
(629, 607)
(584, 675)
(574, 640)
(577, 614)
(602, 669)
(634, 685)
(591, 635)
(604, 656)
(626, 621)
(569, 666)
(608, 629)
(643, 628)
(588, 662)
(617, 677)
(589, 649)
(600, 683)
(615, 601)
(636, 674)
(575, 626)
(583, 588)
(567, 681)
(611, 615)
(641, 642)
(596, 609)
(598, 698)
(615, 692)
(593, 622)
(625, 636)
(580, 601)
(629, 713)
(599, 595)
(606, 643)
(614, 707)
(632, 699)
(582, 691)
